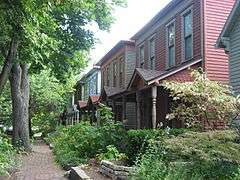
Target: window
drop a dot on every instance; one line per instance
(152, 53)
(114, 74)
(188, 35)
(141, 56)
(171, 45)
(108, 75)
(121, 72)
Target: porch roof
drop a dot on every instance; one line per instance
(111, 91)
(151, 76)
(82, 104)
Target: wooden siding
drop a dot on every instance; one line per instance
(130, 63)
(131, 115)
(161, 36)
(216, 61)
(234, 62)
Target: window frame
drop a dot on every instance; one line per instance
(115, 73)
(171, 23)
(187, 11)
(152, 64)
(121, 72)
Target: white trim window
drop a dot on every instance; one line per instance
(141, 56)
(171, 45)
(188, 34)
(152, 53)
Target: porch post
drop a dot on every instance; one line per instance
(154, 110)
(138, 98)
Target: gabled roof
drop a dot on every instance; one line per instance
(114, 50)
(151, 77)
(229, 25)
(156, 18)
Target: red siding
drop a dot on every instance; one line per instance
(216, 61)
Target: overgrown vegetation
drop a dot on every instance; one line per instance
(202, 100)
(192, 155)
(7, 155)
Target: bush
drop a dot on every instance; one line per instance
(7, 155)
(112, 154)
(192, 155)
(138, 140)
(79, 143)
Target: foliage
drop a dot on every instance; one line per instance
(5, 107)
(48, 97)
(7, 155)
(192, 155)
(105, 114)
(79, 143)
(201, 99)
(138, 140)
(112, 154)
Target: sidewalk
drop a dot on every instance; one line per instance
(39, 165)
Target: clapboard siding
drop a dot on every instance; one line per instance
(130, 63)
(234, 61)
(216, 61)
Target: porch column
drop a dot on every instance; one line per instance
(138, 98)
(154, 109)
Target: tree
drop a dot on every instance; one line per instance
(202, 100)
(36, 34)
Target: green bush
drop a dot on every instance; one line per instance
(138, 140)
(112, 154)
(7, 155)
(192, 155)
(79, 143)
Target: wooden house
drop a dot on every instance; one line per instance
(229, 39)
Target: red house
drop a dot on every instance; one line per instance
(181, 36)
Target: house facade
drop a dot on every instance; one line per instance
(179, 38)
(117, 68)
(229, 39)
(88, 85)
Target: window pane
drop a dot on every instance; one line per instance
(188, 47)
(141, 56)
(171, 35)
(152, 54)
(188, 24)
(171, 56)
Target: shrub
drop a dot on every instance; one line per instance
(138, 140)
(79, 143)
(201, 100)
(112, 154)
(7, 155)
(192, 155)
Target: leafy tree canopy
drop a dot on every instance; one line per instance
(53, 33)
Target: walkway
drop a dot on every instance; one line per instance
(39, 165)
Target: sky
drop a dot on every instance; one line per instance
(128, 21)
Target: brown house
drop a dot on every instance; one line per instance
(181, 36)
(117, 68)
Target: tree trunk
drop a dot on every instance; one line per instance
(20, 103)
(9, 60)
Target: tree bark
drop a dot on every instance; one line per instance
(9, 60)
(20, 103)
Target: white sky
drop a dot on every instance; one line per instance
(128, 21)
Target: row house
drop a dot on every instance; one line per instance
(117, 68)
(182, 36)
(179, 37)
(88, 86)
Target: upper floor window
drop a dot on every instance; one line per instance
(188, 35)
(108, 76)
(121, 72)
(114, 74)
(152, 53)
(141, 56)
(171, 45)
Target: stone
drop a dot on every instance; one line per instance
(76, 173)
